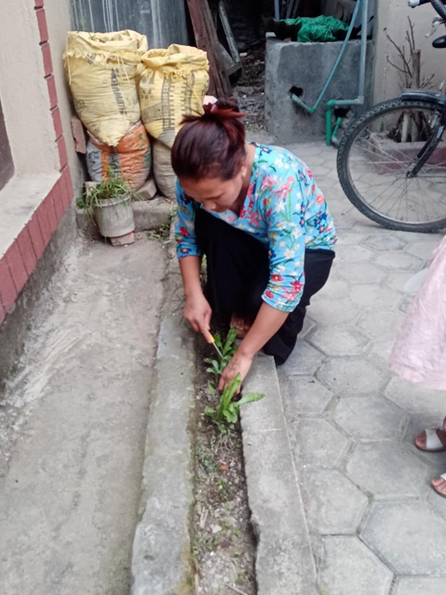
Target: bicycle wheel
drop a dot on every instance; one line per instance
(375, 156)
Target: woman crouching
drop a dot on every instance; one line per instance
(264, 226)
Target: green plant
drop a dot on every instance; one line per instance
(217, 366)
(111, 188)
(228, 411)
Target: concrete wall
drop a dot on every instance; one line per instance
(308, 65)
(163, 21)
(59, 23)
(392, 19)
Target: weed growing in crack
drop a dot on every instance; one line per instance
(226, 414)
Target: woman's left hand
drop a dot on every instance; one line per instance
(239, 364)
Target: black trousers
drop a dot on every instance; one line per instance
(238, 273)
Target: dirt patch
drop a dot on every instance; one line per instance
(250, 89)
(223, 543)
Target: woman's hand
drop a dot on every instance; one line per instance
(198, 312)
(239, 364)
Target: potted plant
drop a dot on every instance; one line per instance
(109, 203)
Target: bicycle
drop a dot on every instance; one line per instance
(391, 161)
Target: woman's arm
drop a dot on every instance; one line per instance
(268, 321)
(197, 310)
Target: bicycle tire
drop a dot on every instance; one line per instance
(345, 178)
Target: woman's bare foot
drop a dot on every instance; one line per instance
(240, 324)
(439, 486)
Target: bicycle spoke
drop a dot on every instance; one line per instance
(378, 165)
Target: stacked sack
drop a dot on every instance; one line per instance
(103, 71)
(173, 84)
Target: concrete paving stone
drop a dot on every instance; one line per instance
(380, 325)
(387, 470)
(384, 241)
(336, 287)
(304, 395)
(398, 261)
(349, 568)
(339, 340)
(437, 502)
(381, 351)
(334, 505)
(410, 537)
(375, 296)
(352, 377)
(348, 253)
(348, 237)
(326, 311)
(305, 359)
(309, 326)
(397, 280)
(362, 273)
(371, 419)
(317, 443)
(416, 399)
(420, 586)
(422, 249)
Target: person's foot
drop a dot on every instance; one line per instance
(421, 441)
(439, 485)
(240, 324)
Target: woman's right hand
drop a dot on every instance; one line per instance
(198, 312)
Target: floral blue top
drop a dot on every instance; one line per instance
(283, 209)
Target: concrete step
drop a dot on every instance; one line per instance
(285, 563)
(149, 214)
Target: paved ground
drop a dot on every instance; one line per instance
(376, 526)
(73, 426)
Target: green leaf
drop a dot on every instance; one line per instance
(211, 388)
(230, 390)
(250, 398)
(211, 412)
(230, 416)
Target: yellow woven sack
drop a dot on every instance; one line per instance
(172, 85)
(102, 70)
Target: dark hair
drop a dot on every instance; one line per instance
(211, 145)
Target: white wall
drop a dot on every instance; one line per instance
(24, 93)
(392, 19)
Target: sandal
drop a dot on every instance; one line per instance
(442, 494)
(433, 440)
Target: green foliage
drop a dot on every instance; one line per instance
(226, 414)
(217, 366)
(111, 188)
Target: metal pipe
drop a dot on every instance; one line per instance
(277, 10)
(301, 103)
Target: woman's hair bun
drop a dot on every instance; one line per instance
(223, 108)
(228, 103)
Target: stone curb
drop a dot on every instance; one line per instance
(284, 562)
(149, 214)
(161, 558)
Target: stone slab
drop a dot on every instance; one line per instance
(284, 562)
(161, 560)
(148, 214)
(421, 586)
(334, 505)
(410, 537)
(349, 568)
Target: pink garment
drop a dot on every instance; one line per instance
(419, 353)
